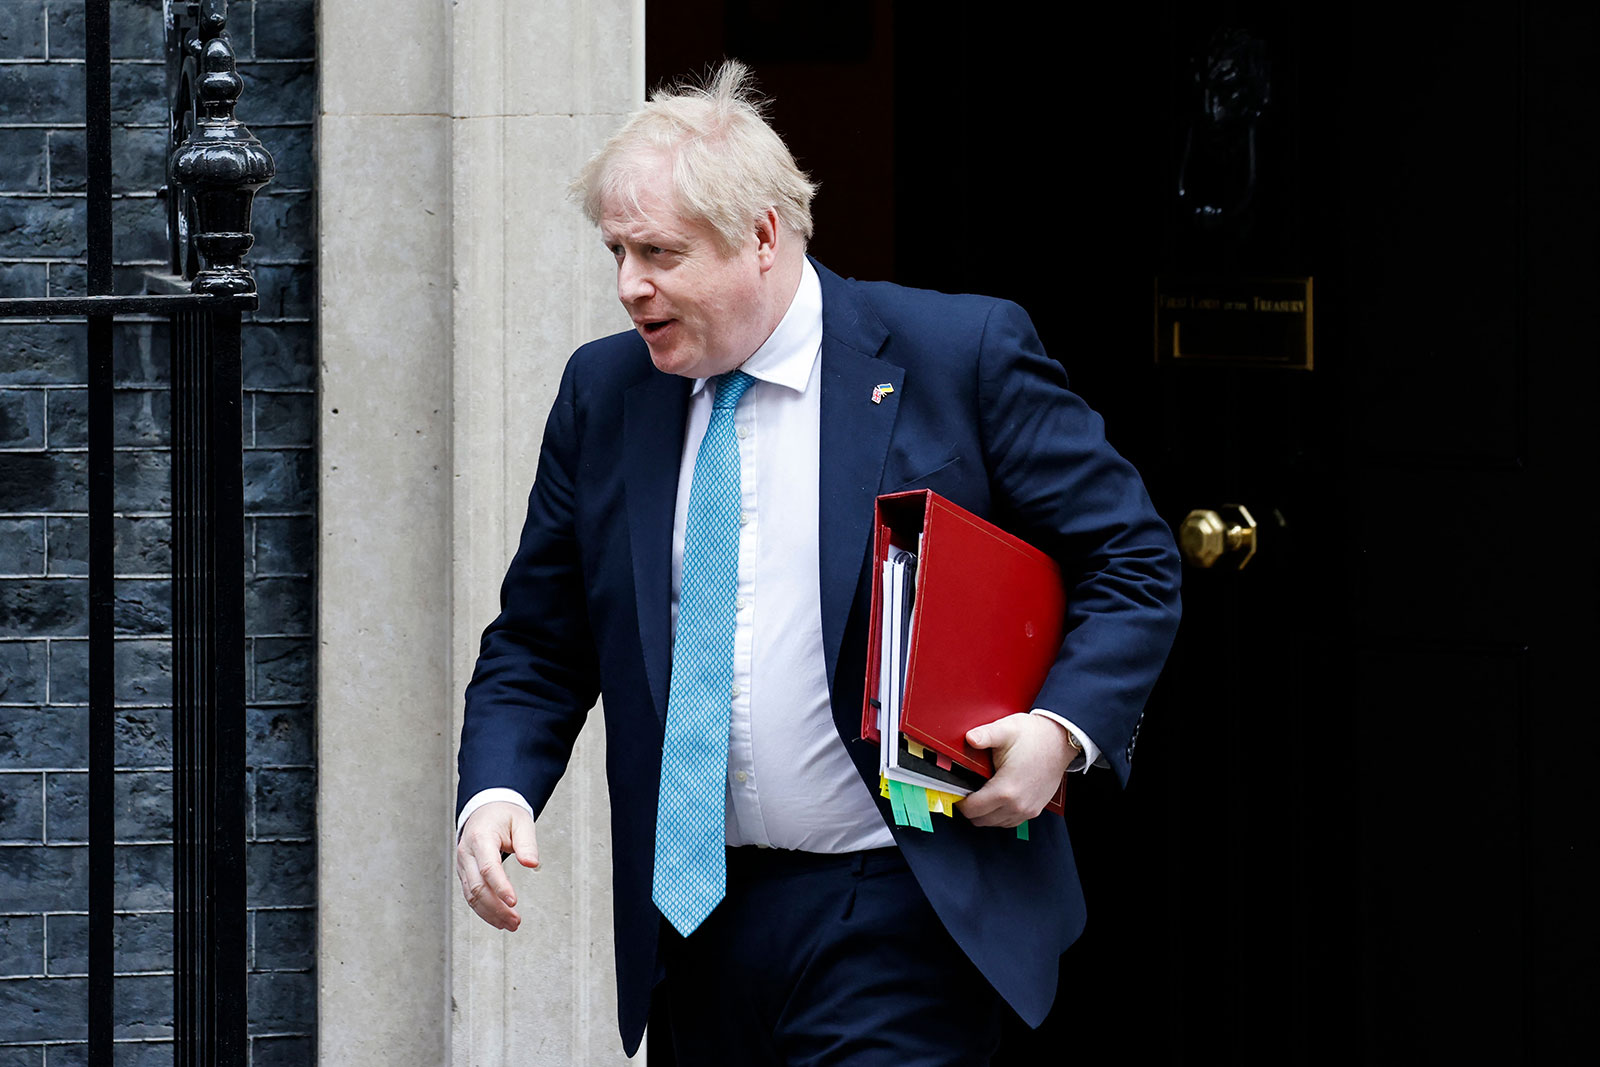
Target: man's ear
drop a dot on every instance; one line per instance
(768, 232)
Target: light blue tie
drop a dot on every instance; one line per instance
(691, 873)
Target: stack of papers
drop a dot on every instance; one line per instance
(917, 780)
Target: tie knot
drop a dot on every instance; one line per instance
(730, 387)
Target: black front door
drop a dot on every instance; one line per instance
(1361, 804)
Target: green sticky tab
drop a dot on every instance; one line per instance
(916, 799)
(897, 803)
(1022, 831)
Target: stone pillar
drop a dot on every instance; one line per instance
(456, 281)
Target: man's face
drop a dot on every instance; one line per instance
(698, 309)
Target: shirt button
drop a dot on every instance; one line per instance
(735, 691)
(744, 431)
(738, 604)
(741, 776)
(744, 517)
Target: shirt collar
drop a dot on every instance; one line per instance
(787, 357)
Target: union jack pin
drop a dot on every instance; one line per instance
(881, 391)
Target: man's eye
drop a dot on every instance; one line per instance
(656, 250)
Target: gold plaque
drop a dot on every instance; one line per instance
(1234, 322)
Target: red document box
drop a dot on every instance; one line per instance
(986, 625)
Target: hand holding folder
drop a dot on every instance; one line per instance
(982, 630)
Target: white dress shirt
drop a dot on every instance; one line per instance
(791, 784)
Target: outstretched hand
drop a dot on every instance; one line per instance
(490, 832)
(1031, 753)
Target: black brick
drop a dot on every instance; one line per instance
(284, 1051)
(21, 808)
(281, 1000)
(285, 419)
(44, 353)
(33, 1056)
(43, 878)
(21, 945)
(138, 161)
(285, 545)
(21, 418)
(284, 228)
(138, 93)
(69, 279)
(140, 225)
(283, 669)
(286, 29)
(144, 672)
(45, 1009)
(142, 1006)
(136, 30)
(142, 545)
(69, 417)
(43, 607)
(144, 876)
(277, 735)
(279, 873)
(23, 279)
(141, 943)
(144, 737)
(44, 481)
(279, 355)
(43, 737)
(286, 291)
(21, 30)
(286, 799)
(291, 155)
(278, 92)
(45, 92)
(50, 226)
(21, 552)
(278, 481)
(241, 24)
(22, 153)
(22, 671)
(141, 353)
(143, 806)
(286, 940)
(143, 417)
(144, 481)
(271, 605)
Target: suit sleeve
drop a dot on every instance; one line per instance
(1058, 484)
(537, 675)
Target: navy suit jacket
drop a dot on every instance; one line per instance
(979, 414)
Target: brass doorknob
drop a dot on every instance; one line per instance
(1226, 535)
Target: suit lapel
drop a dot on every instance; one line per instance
(652, 442)
(854, 443)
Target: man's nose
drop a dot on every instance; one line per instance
(633, 283)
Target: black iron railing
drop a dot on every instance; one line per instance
(215, 167)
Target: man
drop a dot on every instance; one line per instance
(696, 550)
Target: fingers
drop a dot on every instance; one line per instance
(522, 839)
(1030, 756)
(490, 831)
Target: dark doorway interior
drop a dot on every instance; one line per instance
(1363, 807)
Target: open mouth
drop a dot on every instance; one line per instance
(652, 329)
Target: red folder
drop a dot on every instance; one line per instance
(986, 625)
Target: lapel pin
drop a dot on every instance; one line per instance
(881, 391)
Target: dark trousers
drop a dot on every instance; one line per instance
(823, 961)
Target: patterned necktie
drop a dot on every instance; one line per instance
(691, 865)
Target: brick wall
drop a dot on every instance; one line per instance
(43, 541)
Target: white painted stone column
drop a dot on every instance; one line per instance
(456, 280)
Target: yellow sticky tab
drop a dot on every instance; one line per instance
(915, 749)
(883, 786)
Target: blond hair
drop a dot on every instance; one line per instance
(729, 167)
